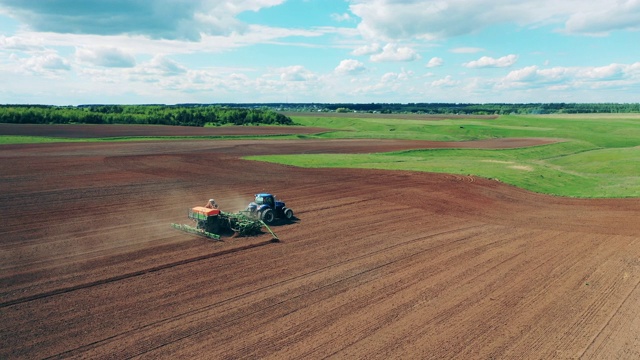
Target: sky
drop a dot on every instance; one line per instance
(71, 52)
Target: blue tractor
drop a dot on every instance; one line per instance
(266, 208)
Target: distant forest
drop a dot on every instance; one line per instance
(268, 113)
(185, 115)
(459, 108)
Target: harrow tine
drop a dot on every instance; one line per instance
(192, 230)
(275, 237)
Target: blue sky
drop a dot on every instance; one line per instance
(70, 52)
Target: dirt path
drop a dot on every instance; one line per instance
(379, 264)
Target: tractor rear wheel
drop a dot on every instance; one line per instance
(268, 216)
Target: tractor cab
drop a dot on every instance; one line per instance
(268, 200)
(265, 207)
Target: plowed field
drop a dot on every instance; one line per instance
(378, 264)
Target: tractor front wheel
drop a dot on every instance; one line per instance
(268, 216)
(288, 213)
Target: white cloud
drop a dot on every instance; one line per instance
(435, 62)
(524, 74)
(167, 66)
(296, 73)
(350, 67)
(487, 61)
(48, 64)
(573, 77)
(391, 52)
(159, 19)
(556, 74)
(53, 62)
(447, 81)
(367, 49)
(612, 71)
(157, 68)
(107, 57)
(135, 45)
(466, 50)
(534, 76)
(393, 77)
(15, 43)
(341, 17)
(615, 15)
(393, 20)
(390, 82)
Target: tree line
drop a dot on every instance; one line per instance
(488, 109)
(451, 108)
(184, 115)
(267, 113)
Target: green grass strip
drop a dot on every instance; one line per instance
(559, 169)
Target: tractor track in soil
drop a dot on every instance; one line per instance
(229, 322)
(270, 286)
(379, 264)
(130, 275)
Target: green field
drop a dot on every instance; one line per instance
(598, 156)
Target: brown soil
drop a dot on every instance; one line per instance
(378, 264)
(106, 131)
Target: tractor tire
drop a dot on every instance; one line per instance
(288, 213)
(268, 216)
